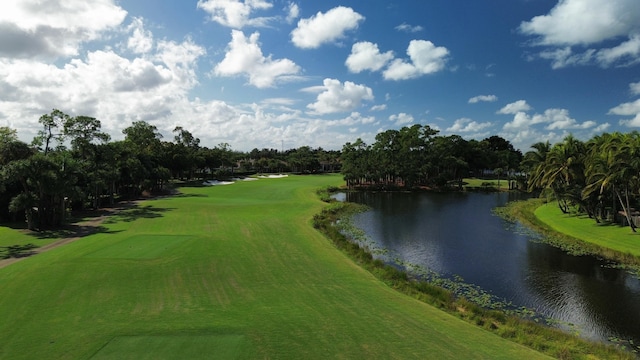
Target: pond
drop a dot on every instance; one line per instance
(457, 235)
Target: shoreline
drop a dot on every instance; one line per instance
(524, 212)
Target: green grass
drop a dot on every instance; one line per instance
(177, 347)
(611, 236)
(234, 270)
(480, 183)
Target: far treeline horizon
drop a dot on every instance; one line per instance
(72, 163)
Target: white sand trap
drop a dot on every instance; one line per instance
(273, 176)
(216, 183)
(244, 179)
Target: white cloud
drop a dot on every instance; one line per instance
(409, 28)
(293, 12)
(380, 107)
(32, 28)
(486, 98)
(583, 22)
(563, 57)
(523, 139)
(244, 56)
(354, 119)
(401, 119)
(515, 107)
(425, 57)
(337, 97)
(465, 125)
(635, 88)
(555, 119)
(629, 50)
(588, 23)
(366, 56)
(141, 40)
(628, 109)
(235, 13)
(325, 27)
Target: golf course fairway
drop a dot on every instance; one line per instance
(222, 272)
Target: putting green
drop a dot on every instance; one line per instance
(172, 347)
(150, 246)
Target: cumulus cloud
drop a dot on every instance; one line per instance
(485, 98)
(554, 119)
(587, 23)
(366, 56)
(583, 22)
(635, 88)
(515, 107)
(426, 58)
(325, 27)
(336, 97)
(628, 109)
(465, 125)
(32, 28)
(235, 13)
(409, 28)
(244, 56)
(354, 119)
(112, 88)
(141, 40)
(401, 119)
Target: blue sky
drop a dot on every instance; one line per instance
(273, 73)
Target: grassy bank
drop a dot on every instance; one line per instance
(578, 234)
(233, 272)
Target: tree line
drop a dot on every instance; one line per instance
(73, 164)
(417, 156)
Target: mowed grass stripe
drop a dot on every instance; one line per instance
(254, 267)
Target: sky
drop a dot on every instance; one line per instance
(283, 74)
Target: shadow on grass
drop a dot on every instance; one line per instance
(136, 212)
(190, 195)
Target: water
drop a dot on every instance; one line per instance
(457, 234)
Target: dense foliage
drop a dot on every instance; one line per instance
(72, 164)
(416, 156)
(600, 177)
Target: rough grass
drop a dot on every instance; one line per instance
(252, 267)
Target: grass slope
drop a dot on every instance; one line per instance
(611, 236)
(229, 272)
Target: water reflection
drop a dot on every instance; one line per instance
(456, 234)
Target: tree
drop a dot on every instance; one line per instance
(563, 172)
(533, 163)
(53, 125)
(615, 166)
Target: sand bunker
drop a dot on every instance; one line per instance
(216, 183)
(273, 176)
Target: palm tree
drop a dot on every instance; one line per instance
(563, 172)
(534, 161)
(615, 166)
